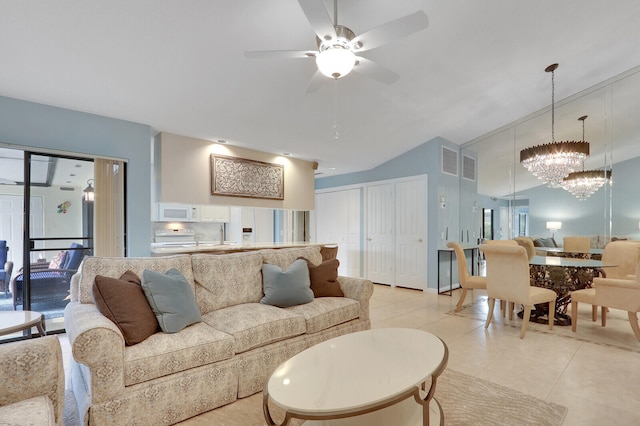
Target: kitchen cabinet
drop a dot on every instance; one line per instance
(211, 213)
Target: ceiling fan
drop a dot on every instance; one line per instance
(339, 48)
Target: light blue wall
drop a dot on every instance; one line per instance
(28, 124)
(424, 159)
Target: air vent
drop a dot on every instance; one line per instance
(468, 168)
(67, 188)
(449, 161)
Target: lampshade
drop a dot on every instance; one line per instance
(554, 226)
(335, 61)
(554, 161)
(89, 192)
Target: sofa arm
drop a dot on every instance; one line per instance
(33, 368)
(358, 289)
(618, 293)
(97, 343)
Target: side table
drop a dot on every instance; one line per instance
(13, 321)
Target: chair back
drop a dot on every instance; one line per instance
(527, 243)
(507, 272)
(624, 254)
(461, 260)
(74, 257)
(3, 251)
(577, 244)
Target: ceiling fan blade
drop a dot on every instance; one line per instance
(286, 54)
(319, 19)
(372, 70)
(316, 82)
(392, 30)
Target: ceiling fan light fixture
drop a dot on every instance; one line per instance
(335, 61)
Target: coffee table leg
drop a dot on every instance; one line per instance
(41, 327)
(267, 414)
(426, 402)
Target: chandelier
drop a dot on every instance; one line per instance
(584, 184)
(552, 162)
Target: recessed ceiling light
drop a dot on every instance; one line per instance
(222, 141)
(78, 165)
(72, 174)
(286, 154)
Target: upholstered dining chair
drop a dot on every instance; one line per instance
(466, 281)
(626, 256)
(508, 279)
(527, 243)
(577, 244)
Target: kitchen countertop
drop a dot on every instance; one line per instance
(190, 248)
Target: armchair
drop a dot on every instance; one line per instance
(31, 382)
(5, 274)
(50, 287)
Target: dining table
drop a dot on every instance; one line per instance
(563, 275)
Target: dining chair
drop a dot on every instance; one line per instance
(527, 243)
(466, 281)
(577, 244)
(503, 303)
(626, 256)
(508, 279)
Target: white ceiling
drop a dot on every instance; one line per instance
(179, 66)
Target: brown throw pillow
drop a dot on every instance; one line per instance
(324, 278)
(123, 302)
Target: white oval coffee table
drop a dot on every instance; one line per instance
(373, 377)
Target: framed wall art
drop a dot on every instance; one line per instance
(239, 177)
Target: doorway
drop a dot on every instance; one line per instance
(48, 236)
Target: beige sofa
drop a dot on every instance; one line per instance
(171, 377)
(31, 382)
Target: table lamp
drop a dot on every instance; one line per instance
(554, 226)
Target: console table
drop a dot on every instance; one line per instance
(474, 250)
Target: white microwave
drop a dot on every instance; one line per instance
(177, 213)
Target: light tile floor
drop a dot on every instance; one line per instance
(599, 384)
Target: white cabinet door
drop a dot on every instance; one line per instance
(381, 253)
(211, 213)
(410, 234)
(338, 222)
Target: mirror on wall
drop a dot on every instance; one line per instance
(521, 204)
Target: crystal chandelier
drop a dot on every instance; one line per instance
(552, 162)
(583, 184)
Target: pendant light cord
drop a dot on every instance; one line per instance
(336, 135)
(553, 108)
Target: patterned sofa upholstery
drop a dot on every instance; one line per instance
(31, 382)
(171, 377)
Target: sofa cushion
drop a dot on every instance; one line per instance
(326, 312)
(286, 288)
(171, 298)
(286, 256)
(324, 278)
(33, 411)
(115, 266)
(227, 279)
(254, 324)
(163, 354)
(123, 302)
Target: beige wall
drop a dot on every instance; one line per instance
(182, 174)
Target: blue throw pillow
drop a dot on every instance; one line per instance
(171, 299)
(288, 288)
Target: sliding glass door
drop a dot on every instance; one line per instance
(48, 236)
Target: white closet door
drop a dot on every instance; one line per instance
(338, 222)
(410, 234)
(381, 255)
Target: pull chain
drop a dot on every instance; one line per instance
(336, 135)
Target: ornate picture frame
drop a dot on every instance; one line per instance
(240, 177)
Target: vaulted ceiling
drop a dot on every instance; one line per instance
(179, 66)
